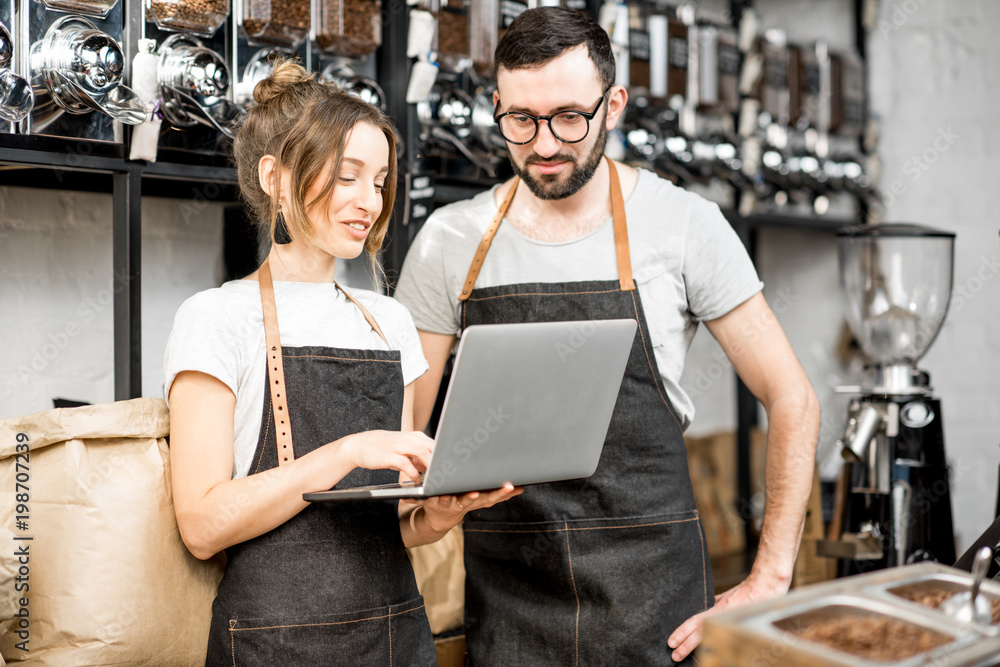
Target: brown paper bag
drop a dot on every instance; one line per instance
(106, 579)
(712, 465)
(440, 571)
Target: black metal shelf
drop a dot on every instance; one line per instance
(46, 150)
(781, 220)
(172, 181)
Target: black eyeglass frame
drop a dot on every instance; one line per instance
(587, 115)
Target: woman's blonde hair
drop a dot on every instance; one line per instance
(304, 123)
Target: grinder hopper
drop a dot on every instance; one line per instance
(895, 286)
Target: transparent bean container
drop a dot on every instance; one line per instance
(484, 17)
(200, 17)
(351, 28)
(452, 33)
(98, 8)
(276, 22)
(895, 286)
(639, 48)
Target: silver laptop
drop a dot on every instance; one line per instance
(527, 403)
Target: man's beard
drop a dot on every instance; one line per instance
(546, 186)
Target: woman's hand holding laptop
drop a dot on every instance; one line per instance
(429, 518)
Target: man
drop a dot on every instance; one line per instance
(613, 569)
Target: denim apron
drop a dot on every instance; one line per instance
(598, 571)
(333, 584)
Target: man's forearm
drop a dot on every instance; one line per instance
(437, 349)
(793, 428)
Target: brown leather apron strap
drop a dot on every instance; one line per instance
(275, 367)
(621, 231)
(368, 316)
(484, 245)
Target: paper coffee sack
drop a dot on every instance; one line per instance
(109, 580)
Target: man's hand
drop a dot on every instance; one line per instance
(752, 589)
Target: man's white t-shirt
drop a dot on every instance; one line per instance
(220, 332)
(688, 264)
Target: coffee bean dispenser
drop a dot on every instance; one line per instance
(194, 86)
(483, 34)
(76, 68)
(453, 34)
(678, 58)
(848, 95)
(718, 69)
(349, 28)
(199, 17)
(816, 90)
(348, 32)
(775, 97)
(195, 30)
(262, 32)
(342, 72)
(259, 68)
(283, 23)
(16, 98)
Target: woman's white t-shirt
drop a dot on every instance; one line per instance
(220, 332)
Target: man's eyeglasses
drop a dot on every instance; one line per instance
(568, 126)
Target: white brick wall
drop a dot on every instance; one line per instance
(56, 290)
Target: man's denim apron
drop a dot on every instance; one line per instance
(332, 585)
(597, 571)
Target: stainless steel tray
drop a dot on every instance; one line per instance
(954, 581)
(753, 635)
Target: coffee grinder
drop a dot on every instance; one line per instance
(894, 501)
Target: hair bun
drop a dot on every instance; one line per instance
(284, 75)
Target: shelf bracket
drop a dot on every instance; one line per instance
(126, 233)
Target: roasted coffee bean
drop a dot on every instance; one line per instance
(278, 22)
(349, 27)
(871, 636)
(201, 16)
(935, 598)
(453, 31)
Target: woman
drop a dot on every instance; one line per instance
(258, 416)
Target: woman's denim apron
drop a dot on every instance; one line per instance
(332, 585)
(598, 571)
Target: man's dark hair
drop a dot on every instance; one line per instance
(540, 35)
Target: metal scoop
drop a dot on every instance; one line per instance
(969, 606)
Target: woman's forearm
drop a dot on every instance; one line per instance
(237, 510)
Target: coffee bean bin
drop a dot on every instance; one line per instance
(786, 631)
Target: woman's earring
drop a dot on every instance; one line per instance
(281, 235)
